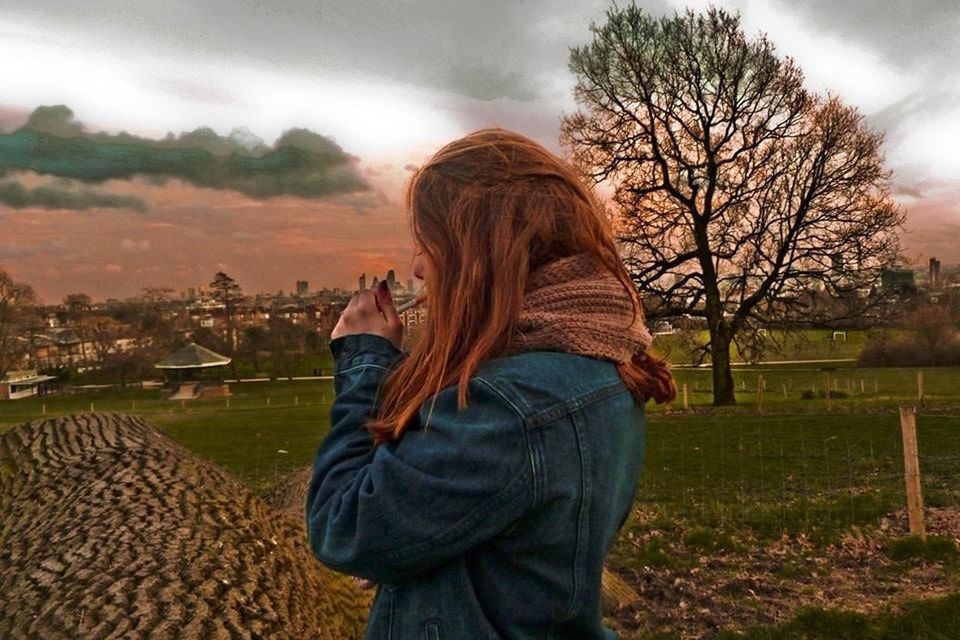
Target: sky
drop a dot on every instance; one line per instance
(365, 90)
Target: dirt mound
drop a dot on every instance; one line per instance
(290, 493)
(110, 528)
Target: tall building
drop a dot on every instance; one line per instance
(409, 285)
(391, 279)
(934, 272)
(897, 279)
(374, 281)
(363, 281)
(302, 288)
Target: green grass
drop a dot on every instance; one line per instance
(800, 471)
(931, 619)
(814, 344)
(817, 475)
(928, 549)
(866, 389)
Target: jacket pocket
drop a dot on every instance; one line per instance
(431, 630)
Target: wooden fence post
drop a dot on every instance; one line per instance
(920, 387)
(686, 404)
(911, 469)
(826, 388)
(759, 394)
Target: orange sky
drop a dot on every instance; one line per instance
(188, 234)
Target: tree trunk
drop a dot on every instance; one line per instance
(720, 338)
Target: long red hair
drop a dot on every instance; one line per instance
(487, 209)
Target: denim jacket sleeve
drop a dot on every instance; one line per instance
(411, 505)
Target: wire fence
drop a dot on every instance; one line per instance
(793, 474)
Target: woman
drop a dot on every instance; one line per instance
(481, 479)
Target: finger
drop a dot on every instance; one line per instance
(385, 302)
(366, 303)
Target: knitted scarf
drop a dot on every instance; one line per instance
(576, 305)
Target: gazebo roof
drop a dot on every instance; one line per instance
(193, 356)
(24, 377)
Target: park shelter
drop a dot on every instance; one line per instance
(194, 372)
(23, 384)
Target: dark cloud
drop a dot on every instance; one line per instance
(16, 196)
(300, 163)
(480, 50)
(905, 33)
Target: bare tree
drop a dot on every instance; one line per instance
(741, 195)
(17, 318)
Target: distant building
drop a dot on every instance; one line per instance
(391, 279)
(23, 384)
(374, 281)
(897, 279)
(934, 272)
(409, 285)
(302, 288)
(363, 281)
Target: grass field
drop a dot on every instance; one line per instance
(265, 417)
(808, 344)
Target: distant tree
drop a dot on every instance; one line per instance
(735, 190)
(313, 342)
(936, 330)
(226, 290)
(18, 316)
(204, 337)
(77, 304)
(154, 325)
(287, 341)
(256, 339)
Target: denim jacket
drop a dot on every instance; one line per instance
(492, 522)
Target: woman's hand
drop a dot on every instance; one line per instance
(371, 311)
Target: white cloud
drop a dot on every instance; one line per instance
(856, 73)
(135, 245)
(931, 143)
(366, 116)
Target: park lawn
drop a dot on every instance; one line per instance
(809, 344)
(766, 475)
(784, 385)
(795, 471)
